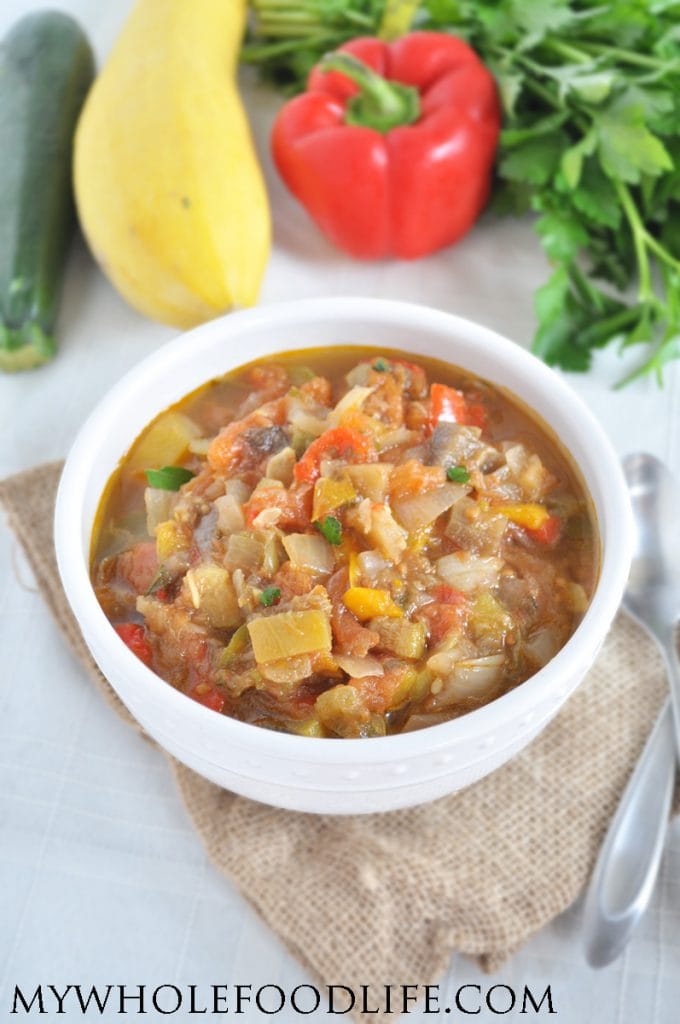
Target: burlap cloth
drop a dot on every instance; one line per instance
(387, 898)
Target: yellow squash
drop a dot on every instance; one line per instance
(169, 191)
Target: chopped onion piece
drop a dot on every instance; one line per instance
(230, 518)
(542, 646)
(402, 435)
(478, 677)
(306, 422)
(267, 518)
(309, 551)
(372, 563)
(443, 663)
(200, 445)
(244, 551)
(353, 400)
(358, 668)
(280, 466)
(422, 509)
(467, 572)
(159, 507)
(238, 489)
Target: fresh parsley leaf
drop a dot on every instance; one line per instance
(269, 596)
(458, 474)
(331, 528)
(562, 234)
(169, 478)
(626, 147)
(536, 160)
(594, 197)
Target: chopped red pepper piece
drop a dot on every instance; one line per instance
(209, 696)
(448, 405)
(548, 533)
(391, 148)
(340, 441)
(134, 637)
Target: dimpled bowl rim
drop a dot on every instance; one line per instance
(599, 466)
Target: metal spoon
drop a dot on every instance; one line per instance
(628, 863)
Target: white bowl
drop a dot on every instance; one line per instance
(324, 775)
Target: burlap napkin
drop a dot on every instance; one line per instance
(387, 898)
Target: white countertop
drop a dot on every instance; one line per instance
(102, 879)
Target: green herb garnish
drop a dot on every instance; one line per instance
(269, 596)
(331, 528)
(381, 365)
(169, 478)
(458, 474)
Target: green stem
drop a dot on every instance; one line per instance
(645, 291)
(397, 18)
(567, 51)
(379, 104)
(626, 56)
(658, 250)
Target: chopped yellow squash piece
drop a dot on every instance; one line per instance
(330, 495)
(287, 634)
(366, 603)
(164, 443)
(170, 539)
(529, 514)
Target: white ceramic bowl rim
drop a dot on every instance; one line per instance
(72, 552)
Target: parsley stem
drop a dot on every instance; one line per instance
(658, 249)
(567, 50)
(626, 56)
(645, 292)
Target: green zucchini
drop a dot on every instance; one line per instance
(46, 68)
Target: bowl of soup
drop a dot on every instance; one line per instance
(343, 555)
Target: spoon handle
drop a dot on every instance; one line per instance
(626, 868)
(669, 651)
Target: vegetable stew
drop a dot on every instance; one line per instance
(345, 543)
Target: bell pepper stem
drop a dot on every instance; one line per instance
(380, 104)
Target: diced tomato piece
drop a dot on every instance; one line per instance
(295, 505)
(440, 619)
(229, 450)
(412, 477)
(444, 594)
(134, 636)
(320, 389)
(138, 565)
(340, 442)
(271, 380)
(208, 695)
(448, 405)
(548, 533)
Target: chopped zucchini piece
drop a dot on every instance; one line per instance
(287, 634)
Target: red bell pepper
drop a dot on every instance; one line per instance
(134, 637)
(448, 405)
(391, 148)
(339, 441)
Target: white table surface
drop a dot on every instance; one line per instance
(102, 879)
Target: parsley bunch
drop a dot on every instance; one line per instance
(590, 143)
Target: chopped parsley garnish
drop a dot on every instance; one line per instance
(458, 474)
(169, 478)
(381, 365)
(331, 528)
(269, 596)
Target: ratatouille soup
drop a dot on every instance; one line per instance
(344, 543)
